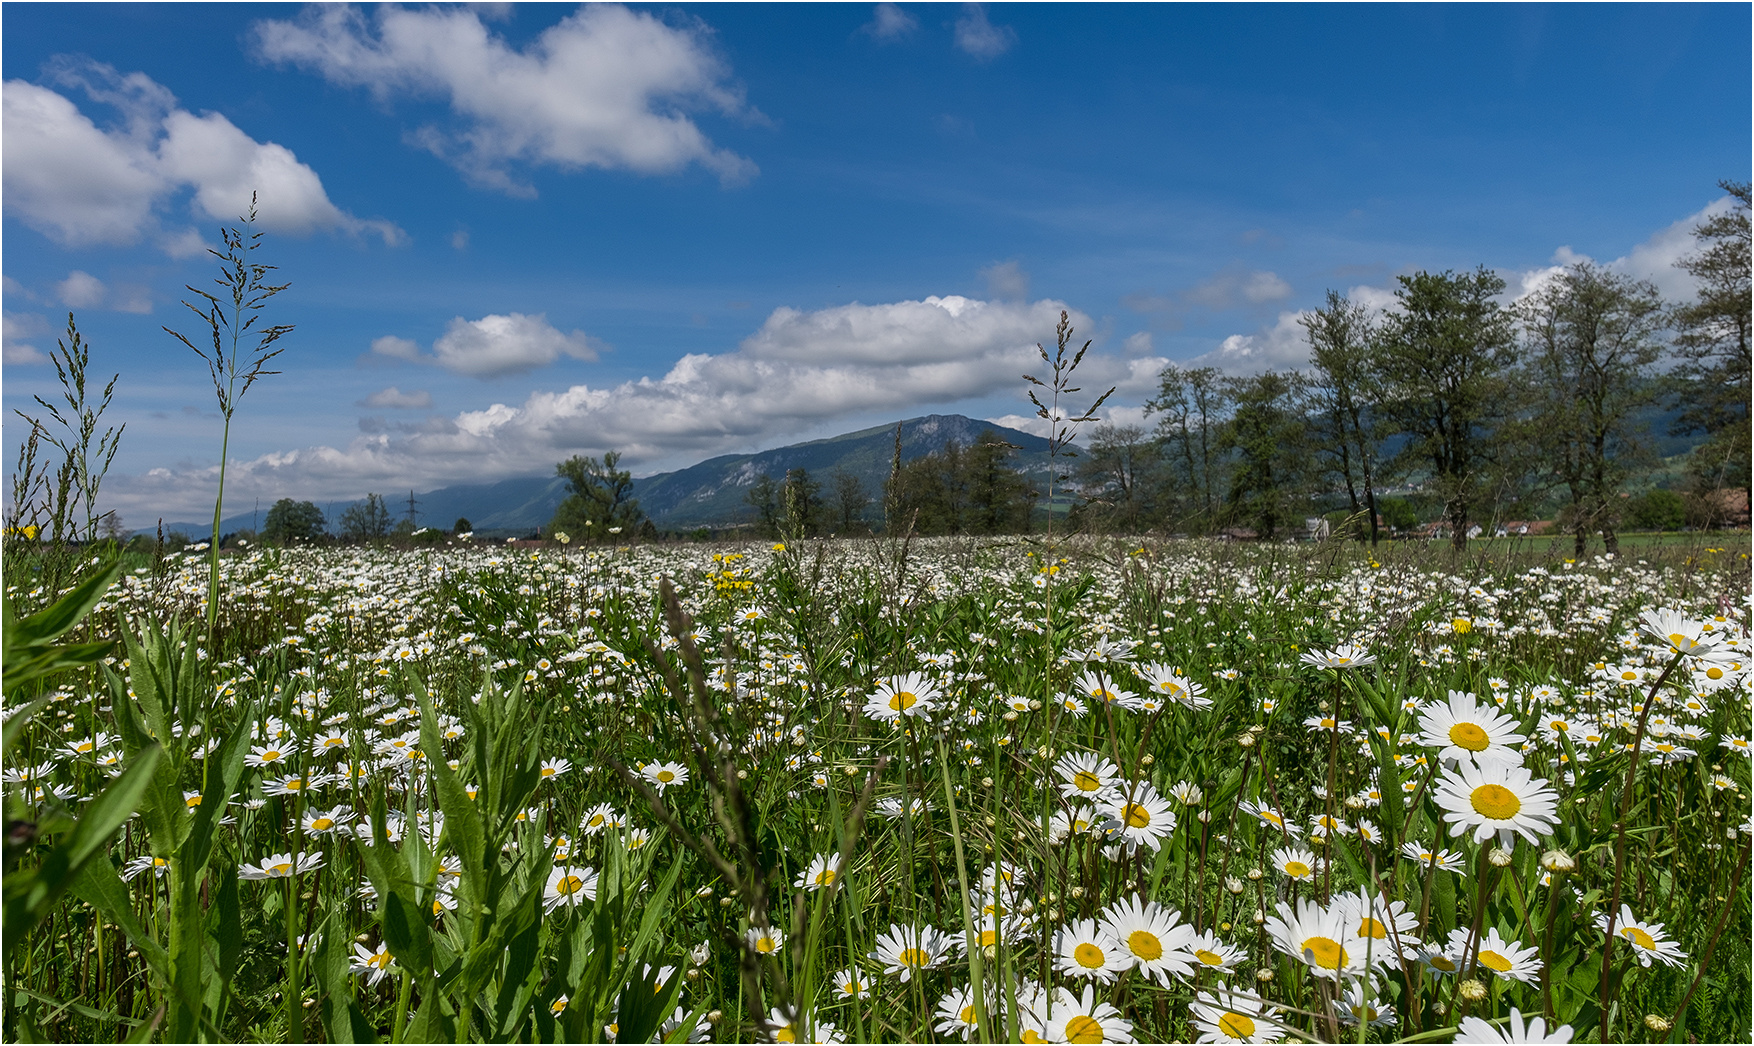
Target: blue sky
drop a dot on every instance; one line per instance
(517, 233)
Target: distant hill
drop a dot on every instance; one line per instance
(708, 494)
(712, 492)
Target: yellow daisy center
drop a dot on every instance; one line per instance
(1209, 958)
(1137, 816)
(570, 884)
(381, 960)
(824, 877)
(1029, 1035)
(764, 945)
(193, 800)
(1371, 928)
(1145, 945)
(1325, 952)
(1086, 781)
(902, 700)
(1236, 1025)
(1461, 625)
(989, 938)
(1441, 963)
(1469, 736)
(967, 1016)
(785, 1035)
(1495, 802)
(322, 824)
(1494, 961)
(1639, 937)
(1083, 1029)
(1088, 956)
(1714, 672)
(666, 776)
(280, 868)
(270, 755)
(915, 957)
(1296, 869)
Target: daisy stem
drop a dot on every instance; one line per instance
(1620, 843)
(1230, 834)
(294, 997)
(976, 970)
(1547, 945)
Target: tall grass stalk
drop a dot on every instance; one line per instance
(231, 317)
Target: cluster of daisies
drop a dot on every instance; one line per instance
(1497, 764)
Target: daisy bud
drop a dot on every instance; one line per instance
(991, 952)
(1255, 874)
(1473, 991)
(715, 1016)
(705, 891)
(1043, 752)
(1246, 741)
(1354, 803)
(1009, 717)
(1233, 884)
(1263, 975)
(1260, 917)
(742, 775)
(1205, 816)
(693, 974)
(1035, 704)
(1500, 858)
(1557, 861)
(986, 782)
(1077, 892)
(1148, 760)
(1656, 1022)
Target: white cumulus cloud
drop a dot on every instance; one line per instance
(81, 290)
(82, 184)
(979, 37)
(1282, 345)
(17, 332)
(493, 345)
(890, 22)
(606, 87)
(799, 370)
(1653, 259)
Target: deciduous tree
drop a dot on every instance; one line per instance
(1445, 359)
(1590, 341)
(1713, 344)
(289, 521)
(601, 505)
(1343, 390)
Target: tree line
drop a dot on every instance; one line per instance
(1449, 407)
(1470, 408)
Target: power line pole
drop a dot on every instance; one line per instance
(412, 515)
